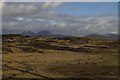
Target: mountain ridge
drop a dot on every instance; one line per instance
(42, 33)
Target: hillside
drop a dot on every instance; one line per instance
(63, 57)
(104, 36)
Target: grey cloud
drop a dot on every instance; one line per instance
(18, 9)
(38, 16)
(27, 8)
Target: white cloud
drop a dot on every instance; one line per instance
(42, 20)
(56, 24)
(28, 19)
(20, 18)
(51, 4)
(63, 24)
(114, 32)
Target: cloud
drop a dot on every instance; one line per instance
(18, 17)
(59, 25)
(87, 27)
(114, 32)
(10, 25)
(42, 20)
(47, 5)
(18, 9)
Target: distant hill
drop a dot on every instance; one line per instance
(28, 33)
(42, 33)
(104, 36)
(45, 33)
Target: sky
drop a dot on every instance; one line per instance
(67, 18)
(60, 0)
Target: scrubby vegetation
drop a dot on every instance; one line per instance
(63, 57)
(75, 44)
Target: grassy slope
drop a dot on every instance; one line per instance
(60, 57)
